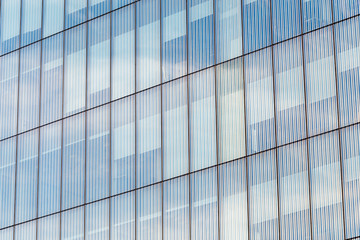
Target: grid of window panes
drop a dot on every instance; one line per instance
(179, 119)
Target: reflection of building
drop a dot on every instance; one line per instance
(179, 119)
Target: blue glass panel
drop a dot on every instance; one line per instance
(75, 12)
(257, 33)
(316, 13)
(31, 11)
(49, 228)
(201, 34)
(228, 29)
(53, 17)
(346, 8)
(123, 217)
(120, 3)
(72, 224)
(98, 7)
(7, 233)
(174, 52)
(25, 231)
(97, 220)
(9, 25)
(347, 36)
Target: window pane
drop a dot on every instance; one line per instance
(73, 163)
(228, 29)
(97, 220)
(326, 199)
(294, 192)
(204, 211)
(7, 233)
(176, 209)
(98, 7)
(120, 3)
(201, 34)
(53, 17)
(289, 91)
(202, 120)
(230, 107)
(30, 21)
(259, 101)
(7, 181)
(316, 13)
(49, 169)
(346, 8)
(233, 201)
(286, 19)
(25, 231)
(148, 137)
(75, 12)
(350, 139)
(52, 78)
(98, 72)
(257, 20)
(148, 204)
(9, 25)
(123, 52)
(72, 224)
(123, 145)
(147, 43)
(175, 128)
(347, 35)
(8, 94)
(29, 87)
(263, 196)
(320, 81)
(26, 176)
(97, 154)
(49, 228)
(123, 217)
(174, 58)
(75, 70)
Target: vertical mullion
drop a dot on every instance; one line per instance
(135, 97)
(110, 121)
(161, 127)
(338, 119)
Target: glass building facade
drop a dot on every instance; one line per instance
(179, 119)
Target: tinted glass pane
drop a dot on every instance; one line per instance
(123, 217)
(346, 8)
(97, 220)
(121, 3)
(72, 224)
(31, 11)
(98, 7)
(75, 12)
(316, 13)
(10, 25)
(7, 233)
(53, 16)
(25, 231)
(49, 228)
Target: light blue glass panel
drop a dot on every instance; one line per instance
(201, 34)
(7, 181)
(75, 12)
(346, 8)
(9, 25)
(120, 3)
(29, 87)
(148, 137)
(350, 145)
(230, 110)
(347, 35)
(174, 51)
(73, 163)
(49, 169)
(294, 192)
(326, 198)
(202, 120)
(289, 91)
(176, 209)
(98, 68)
(233, 202)
(25, 231)
(320, 81)
(175, 128)
(257, 23)
(228, 29)
(51, 79)
(53, 17)
(259, 101)
(97, 153)
(123, 145)
(147, 43)
(286, 20)
(123, 217)
(98, 7)
(26, 176)
(148, 213)
(263, 196)
(316, 13)
(7, 233)
(123, 52)
(204, 211)
(75, 70)
(97, 220)
(49, 228)
(9, 66)
(31, 11)
(72, 224)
